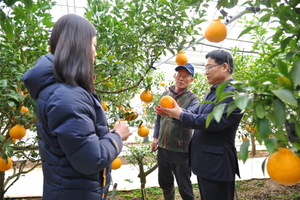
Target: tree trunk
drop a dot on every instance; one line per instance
(2, 176)
(253, 147)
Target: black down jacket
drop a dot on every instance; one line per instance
(75, 144)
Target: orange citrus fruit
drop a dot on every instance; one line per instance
(167, 102)
(146, 96)
(244, 139)
(162, 83)
(247, 127)
(130, 114)
(116, 163)
(181, 58)
(216, 31)
(104, 105)
(283, 167)
(24, 110)
(17, 132)
(5, 165)
(121, 108)
(143, 131)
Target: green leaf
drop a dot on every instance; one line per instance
(10, 2)
(250, 103)
(266, 17)
(286, 96)
(263, 165)
(243, 154)
(285, 42)
(247, 30)
(259, 110)
(208, 119)
(14, 97)
(296, 72)
(8, 29)
(3, 83)
(241, 100)
(28, 3)
(231, 107)
(263, 126)
(270, 144)
(285, 82)
(221, 88)
(290, 55)
(282, 67)
(218, 111)
(224, 96)
(279, 112)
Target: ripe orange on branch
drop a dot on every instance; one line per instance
(146, 96)
(116, 163)
(17, 132)
(24, 110)
(162, 83)
(4, 166)
(216, 31)
(283, 167)
(181, 58)
(166, 102)
(104, 105)
(130, 114)
(143, 131)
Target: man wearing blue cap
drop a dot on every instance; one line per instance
(171, 139)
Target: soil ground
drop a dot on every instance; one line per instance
(254, 189)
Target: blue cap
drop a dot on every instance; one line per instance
(189, 67)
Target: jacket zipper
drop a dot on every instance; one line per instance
(104, 181)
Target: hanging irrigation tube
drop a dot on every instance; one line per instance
(227, 21)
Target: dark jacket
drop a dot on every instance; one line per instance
(75, 144)
(171, 134)
(212, 151)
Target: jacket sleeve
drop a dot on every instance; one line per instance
(197, 120)
(71, 122)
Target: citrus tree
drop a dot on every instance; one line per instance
(270, 98)
(141, 156)
(23, 38)
(132, 37)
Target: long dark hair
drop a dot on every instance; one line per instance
(71, 43)
(220, 57)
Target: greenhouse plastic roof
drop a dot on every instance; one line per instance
(231, 18)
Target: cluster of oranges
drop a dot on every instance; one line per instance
(15, 133)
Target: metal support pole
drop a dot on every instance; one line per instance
(253, 9)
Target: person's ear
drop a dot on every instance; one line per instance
(225, 67)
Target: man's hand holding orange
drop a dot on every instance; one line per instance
(168, 106)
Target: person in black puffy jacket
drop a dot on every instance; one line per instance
(75, 143)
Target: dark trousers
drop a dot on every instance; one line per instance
(216, 190)
(172, 164)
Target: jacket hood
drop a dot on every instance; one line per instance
(40, 76)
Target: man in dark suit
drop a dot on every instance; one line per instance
(213, 156)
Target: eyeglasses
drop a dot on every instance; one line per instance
(207, 68)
